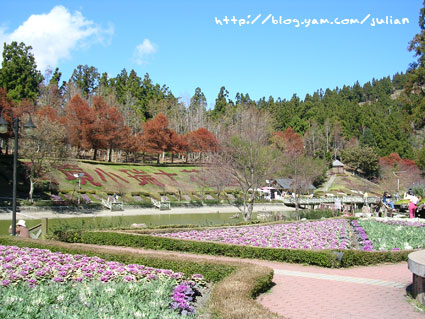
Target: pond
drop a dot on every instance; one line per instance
(126, 221)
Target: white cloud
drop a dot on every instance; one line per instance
(55, 35)
(143, 51)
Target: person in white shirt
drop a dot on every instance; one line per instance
(414, 200)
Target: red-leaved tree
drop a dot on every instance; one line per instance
(156, 137)
(290, 142)
(202, 141)
(78, 120)
(398, 173)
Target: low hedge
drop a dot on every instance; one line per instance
(324, 258)
(365, 258)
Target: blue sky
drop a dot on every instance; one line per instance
(180, 44)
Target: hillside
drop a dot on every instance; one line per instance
(133, 181)
(350, 184)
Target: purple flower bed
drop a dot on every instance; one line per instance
(138, 198)
(38, 265)
(56, 198)
(35, 266)
(362, 237)
(96, 197)
(85, 198)
(327, 234)
(182, 297)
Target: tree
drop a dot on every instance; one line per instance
(105, 132)
(289, 142)
(44, 147)
(6, 103)
(50, 95)
(197, 110)
(19, 74)
(246, 155)
(85, 78)
(416, 75)
(303, 171)
(78, 118)
(202, 141)
(420, 159)
(362, 158)
(178, 144)
(156, 135)
(221, 103)
(397, 173)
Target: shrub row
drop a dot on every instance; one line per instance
(365, 258)
(323, 258)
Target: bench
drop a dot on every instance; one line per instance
(113, 205)
(163, 204)
(384, 210)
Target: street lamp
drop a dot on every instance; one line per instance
(398, 179)
(4, 125)
(79, 185)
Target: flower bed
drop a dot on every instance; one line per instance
(40, 267)
(394, 235)
(85, 198)
(327, 234)
(362, 237)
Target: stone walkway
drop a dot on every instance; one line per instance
(360, 292)
(309, 292)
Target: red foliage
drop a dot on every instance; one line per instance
(7, 104)
(129, 142)
(77, 120)
(106, 129)
(290, 141)
(179, 143)
(48, 112)
(394, 160)
(202, 141)
(156, 137)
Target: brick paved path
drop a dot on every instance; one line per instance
(309, 292)
(360, 292)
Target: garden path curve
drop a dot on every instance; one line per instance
(302, 292)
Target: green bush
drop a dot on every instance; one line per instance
(44, 203)
(324, 258)
(211, 202)
(196, 202)
(365, 258)
(143, 204)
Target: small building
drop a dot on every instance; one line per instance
(284, 185)
(337, 167)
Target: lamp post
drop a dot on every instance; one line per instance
(398, 180)
(3, 129)
(79, 185)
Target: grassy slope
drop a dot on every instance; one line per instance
(354, 185)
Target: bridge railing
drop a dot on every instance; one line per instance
(331, 200)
